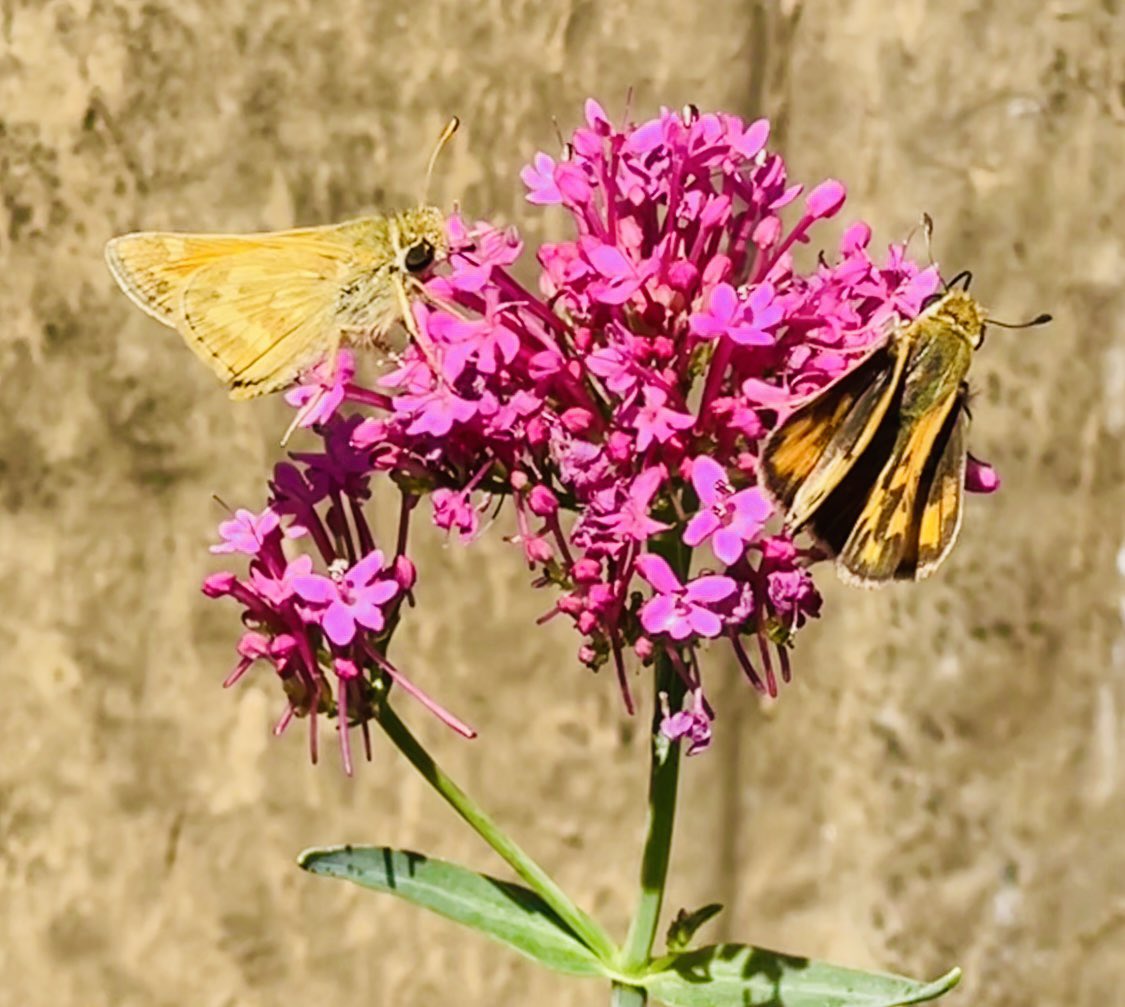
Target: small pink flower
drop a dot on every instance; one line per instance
(748, 322)
(539, 177)
(692, 721)
(454, 511)
(729, 519)
(322, 390)
(682, 610)
(620, 278)
(632, 520)
(655, 421)
(279, 589)
(354, 598)
(246, 532)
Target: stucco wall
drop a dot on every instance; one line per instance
(943, 782)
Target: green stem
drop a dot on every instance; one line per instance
(627, 996)
(587, 929)
(664, 773)
(663, 780)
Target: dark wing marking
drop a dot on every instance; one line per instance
(806, 457)
(837, 516)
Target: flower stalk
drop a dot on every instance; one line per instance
(668, 691)
(584, 926)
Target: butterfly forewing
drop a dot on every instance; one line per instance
(807, 456)
(258, 323)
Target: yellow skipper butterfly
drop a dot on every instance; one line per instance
(873, 465)
(260, 308)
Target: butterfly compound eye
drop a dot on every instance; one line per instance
(419, 256)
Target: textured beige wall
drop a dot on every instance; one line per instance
(944, 782)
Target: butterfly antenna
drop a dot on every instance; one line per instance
(928, 231)
(1042, 319)
(965, 277)
(927, 226)
(442, 140)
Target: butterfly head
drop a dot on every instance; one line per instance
(419, 239)
(957, 311)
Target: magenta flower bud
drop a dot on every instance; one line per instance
(644, 648)
(543, 502)
(586, 622)
(572, 184)
(587, 654)
(664, 349)
(586, 571)
(601, 595)
(345, 668)
(571, 604)
(620, 446)
(404, 572)
(980, 477)
(682, 275)
(218, 585)
(767, 232)
(519, 480)
(537, 549)
(577, 420)
(826, 199)
(537, 432)
(717, 270)
(856, 238)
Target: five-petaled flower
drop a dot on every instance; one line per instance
(355, 595)
(728, 519)
(682, 610)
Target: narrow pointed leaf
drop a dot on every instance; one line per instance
(737, 975)
(685, 925)
(508, 913)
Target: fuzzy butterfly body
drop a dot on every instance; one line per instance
(260, 308)
(873, 465)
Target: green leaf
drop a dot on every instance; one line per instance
(737, 975)
(684, 926)
(508, 913)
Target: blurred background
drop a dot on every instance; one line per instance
(942, 784)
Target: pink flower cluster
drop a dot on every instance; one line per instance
(621, 408)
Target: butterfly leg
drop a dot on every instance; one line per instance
(421, 341)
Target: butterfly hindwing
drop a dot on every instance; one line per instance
(940, 517)
(885, 538)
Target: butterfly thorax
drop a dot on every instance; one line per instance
(389, 250)
(959, 314)
(938, 362)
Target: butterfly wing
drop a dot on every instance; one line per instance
(255, 308)
(940, 516)
(152, 267)
(257, 324)
(884, 543)
(806, 457)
